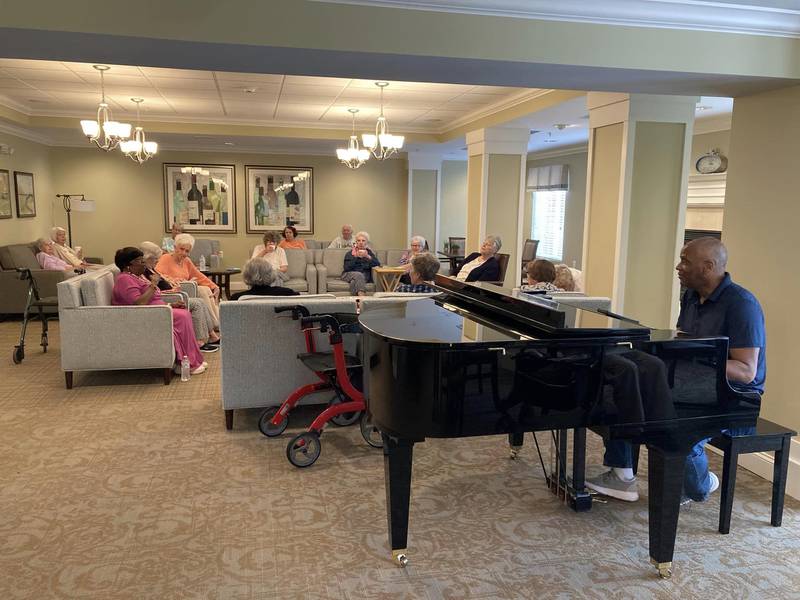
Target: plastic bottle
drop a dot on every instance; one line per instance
(202, 265)
(185, 368)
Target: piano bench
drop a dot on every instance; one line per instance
(768, 437)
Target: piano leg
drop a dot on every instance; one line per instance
(515, 441)
(579, 498)
(665, 482)
(397, 461)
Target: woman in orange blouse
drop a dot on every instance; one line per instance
(178, 266)
(290, 239)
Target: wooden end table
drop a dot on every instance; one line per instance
(221, 276)
(388, 278)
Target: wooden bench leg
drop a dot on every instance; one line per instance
(780, 471)
(68, 378)
(229, 419)
(167, 376)
(729, 463)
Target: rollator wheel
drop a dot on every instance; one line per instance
(370, 433)
(18, 355)
(44, 344)
(344, 419)
(266, 427)
(304, 449)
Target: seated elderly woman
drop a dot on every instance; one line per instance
(259, 275)
(424, 267)
(132, 287)
(73, 256)
(416, 245)
(482, 265)
(290, 239)
(271, 251)
(358, 263)
(541, 274)
(564, 278)
(202, 320)
(47, 258)
(168, 243)
(179, 267)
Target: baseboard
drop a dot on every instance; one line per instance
(761, 464)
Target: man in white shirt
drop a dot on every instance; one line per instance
(274, 255)
(346, 240)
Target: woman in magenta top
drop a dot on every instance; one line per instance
(131, 287)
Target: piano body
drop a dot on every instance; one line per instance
(482, 360)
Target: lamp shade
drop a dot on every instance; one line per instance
(84, 205)
(90, 128)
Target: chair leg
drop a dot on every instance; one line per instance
(635, 449)
(779, 473)
(68, 377)
(167, 376)
(229, 419)
(729, 463)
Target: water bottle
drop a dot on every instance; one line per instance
(202, 265)
(185, 368)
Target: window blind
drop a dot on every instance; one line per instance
(548, 178)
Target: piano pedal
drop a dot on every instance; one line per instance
(399, 556)
(514, 452)
(664, 568)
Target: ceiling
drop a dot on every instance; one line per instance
(52, 88)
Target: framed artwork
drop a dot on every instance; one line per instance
(202, 198)
(279, 196)
(25, 196)
(5, 194)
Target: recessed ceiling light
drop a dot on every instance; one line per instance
(702, 107)
(228, 143)
(561, 126)
(433, 120)
(37, 101)
(249, 90)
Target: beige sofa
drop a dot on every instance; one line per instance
(13, 291)
(96, 336)
(330, 263)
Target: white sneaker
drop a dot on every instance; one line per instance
(714, 483)
(201, 369)
(609, 484)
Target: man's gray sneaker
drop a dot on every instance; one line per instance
(609, 484)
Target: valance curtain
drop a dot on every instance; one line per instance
(551, 177)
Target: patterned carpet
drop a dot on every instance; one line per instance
(126, 488)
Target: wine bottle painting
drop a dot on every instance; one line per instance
(200, 197)
(279, 196)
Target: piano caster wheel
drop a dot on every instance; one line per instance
(514, 452)
(664, 569)
(400, 557)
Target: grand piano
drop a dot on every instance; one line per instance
(482, 360)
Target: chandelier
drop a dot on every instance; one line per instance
(113, 132)
(382, 144)
(353, 156)
(138, 149)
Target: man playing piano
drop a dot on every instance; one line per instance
(711, 306)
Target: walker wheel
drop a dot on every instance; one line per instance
(18, 355)
(370, 433)
(265, 425)
(44, 343)
(344, 419)
(304, 449)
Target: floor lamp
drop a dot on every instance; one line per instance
(83, 205)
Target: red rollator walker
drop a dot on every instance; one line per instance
(334, 370)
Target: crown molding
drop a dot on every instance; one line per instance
(700, 15)
(566, 151)
(25, 133)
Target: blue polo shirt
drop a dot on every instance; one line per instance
(734, 312)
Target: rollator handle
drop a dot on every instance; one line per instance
(24, 273)
(298, 311)
(326, 322)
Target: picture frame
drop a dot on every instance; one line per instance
(202, 198)
(279, 196)
(5, 195)
(24, 194)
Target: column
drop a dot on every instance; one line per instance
(424, 190)
(496, 191)
(637, 174)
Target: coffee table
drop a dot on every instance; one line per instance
(388, 278)
(222, 277)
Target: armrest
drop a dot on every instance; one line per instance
(311, 278)
(93, 260)
(322, 279)
(190, 288)
(170, 297)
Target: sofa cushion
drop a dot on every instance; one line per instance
(20, 256)
(298, 259)
(333, 259)
(204, 247)
(297, 284)
(97, 289)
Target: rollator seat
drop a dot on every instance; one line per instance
(324, 362)
(46, 301)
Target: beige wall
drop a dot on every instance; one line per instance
(453, 207)
(576, 204)
(760, 230)
(474, 200)
(423, 199)
(130, 198)
(502, 205)
(32, 158)
(705, 142)
(652, 230)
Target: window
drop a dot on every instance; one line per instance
(547, 222)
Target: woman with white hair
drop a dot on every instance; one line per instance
(416, 246)
(358, 263)
(74, 257)
(178, 266)
(259, 275)
(203, 321)
(482, 266)
(47, 258)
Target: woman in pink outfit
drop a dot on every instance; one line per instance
(131, 287)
